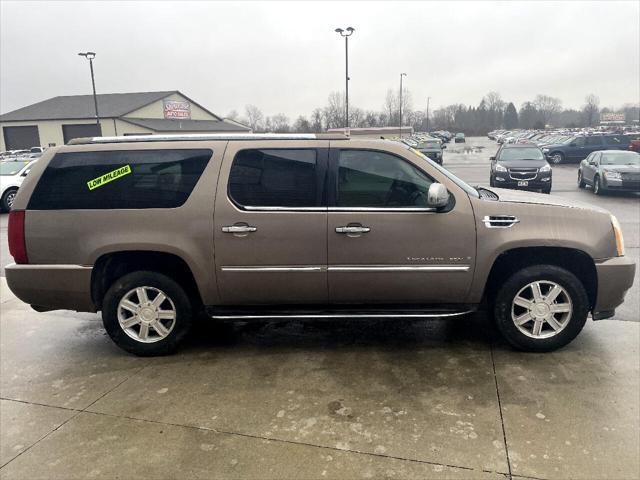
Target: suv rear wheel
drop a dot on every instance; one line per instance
(541, 308)
(146, 313)
(557, 158)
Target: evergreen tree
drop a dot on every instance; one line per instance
(511, 117)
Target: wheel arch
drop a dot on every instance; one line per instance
(111, 266)
(574, 260)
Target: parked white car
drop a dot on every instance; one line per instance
(12, 173)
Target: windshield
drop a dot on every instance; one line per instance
(11, 168)
(620, 158)
(529, 153)
(466, 187)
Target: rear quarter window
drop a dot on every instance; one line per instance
(132, 179)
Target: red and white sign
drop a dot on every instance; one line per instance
(177, 109)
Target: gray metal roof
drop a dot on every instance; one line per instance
(110, 105)
(164, 125)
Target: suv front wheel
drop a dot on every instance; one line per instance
(146, 313)
(541, 308)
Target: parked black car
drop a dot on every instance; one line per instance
(575, 149)
(432, 149)
(610, 170)
(520, 166)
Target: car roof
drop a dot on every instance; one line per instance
(520, 145)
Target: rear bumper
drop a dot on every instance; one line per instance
(615, 277)
(52, 287)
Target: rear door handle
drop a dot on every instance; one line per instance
(352, 229)
(239, 229)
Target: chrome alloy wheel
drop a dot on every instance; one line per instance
(146, 314)
(541, 309)
(11, 196)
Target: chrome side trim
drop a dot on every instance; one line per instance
(500, 221)
(284, 209)
(400, 268)
(350, 268)
(208, 136)
(273, 269)
(45, 266)
(344, 315)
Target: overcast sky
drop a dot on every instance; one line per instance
(285, 56)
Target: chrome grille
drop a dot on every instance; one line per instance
(523, 173)
(631, 176)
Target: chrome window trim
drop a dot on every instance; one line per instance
(382, 209)
(283, 209)
(345, 315)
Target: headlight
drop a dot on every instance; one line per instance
(617, 232)
(546, 168)
(500, 168)
(612, 175)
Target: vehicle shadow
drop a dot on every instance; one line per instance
(476, 331)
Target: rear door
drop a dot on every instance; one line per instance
(271, 222)
(593, 144)
(385, 245)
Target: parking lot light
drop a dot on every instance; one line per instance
(90, 56)
(401, 75)
(346, 34)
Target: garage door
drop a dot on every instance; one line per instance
(20, 138)
(80, 130)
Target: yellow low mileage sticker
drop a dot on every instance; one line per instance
(108, 177)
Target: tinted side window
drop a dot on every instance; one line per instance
(593, 141)
(617, 140)
(579, 141)
(274, 178)
(376, 179)
(119, 179)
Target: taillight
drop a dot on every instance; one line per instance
(17, 244)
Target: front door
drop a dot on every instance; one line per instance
(385, 245)
(270, 241)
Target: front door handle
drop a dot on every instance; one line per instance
(350, 229)
(239, 229)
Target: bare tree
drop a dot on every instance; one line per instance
(547, 106)
(391, 107)
(591, 109)
(280, 123)
(316, 120)
(255, 117)
(302, 125)
(233, 115)
(493, 101)
(334, 111)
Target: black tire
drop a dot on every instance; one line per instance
(597, 185)
(506, 294)
(556, 158)
(547, 190)
(491, 182)
(7, 199)
(183, 309)
(581, 183)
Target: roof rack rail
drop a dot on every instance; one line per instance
(207, 136)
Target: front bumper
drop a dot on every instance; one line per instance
(52, 287)
(615, 277)
(621, 185)
(503, 180)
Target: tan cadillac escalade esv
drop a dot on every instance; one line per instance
(154, 230)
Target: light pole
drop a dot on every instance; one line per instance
(346, 34)
(428, 98)
(401, 75)
(90, 56)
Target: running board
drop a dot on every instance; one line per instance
(261, 313)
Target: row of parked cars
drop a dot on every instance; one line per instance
(605, 164)
(570, 146)
(14, 166)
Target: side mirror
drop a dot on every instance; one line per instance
(443, 147)
(437, 196)
(493, 159)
